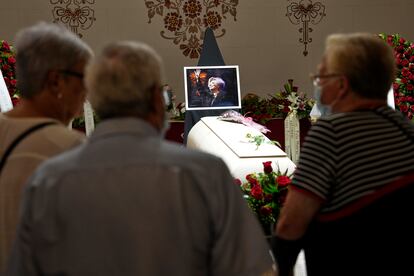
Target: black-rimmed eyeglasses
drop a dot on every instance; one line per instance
(318, 77)
(72, 73)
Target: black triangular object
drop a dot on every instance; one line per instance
(210, 54)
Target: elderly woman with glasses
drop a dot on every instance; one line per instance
(355, 155)
(50, 64)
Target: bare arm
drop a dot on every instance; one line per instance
(296, 214)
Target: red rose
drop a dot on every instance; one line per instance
(268, 197)
(266, 210)
(13, 82)
(11, 60)
(5, 67)
(395, 86)
(257, 192)
(283, 181)
(5, 46)
(410, 87)
(404, 108)
(267, 167)
(237, 181)
(251, 179)
(15, 101)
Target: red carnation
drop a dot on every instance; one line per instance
(267, 167)
(283, 181)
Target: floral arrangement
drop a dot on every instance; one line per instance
(8, 69)
(278, 105)
(178, 112)
(265, 193)
(79, 122)
(404, 82)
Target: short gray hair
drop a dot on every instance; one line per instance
(122, 79)
(218, 81)
(365, 59)
(44, 47)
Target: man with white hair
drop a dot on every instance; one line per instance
(129, 203)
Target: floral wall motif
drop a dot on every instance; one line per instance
(186, 20)
(305, 12)
(74, 14)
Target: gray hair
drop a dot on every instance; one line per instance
(218, 81)
(122, 79)
(365, 59)
(44, 47)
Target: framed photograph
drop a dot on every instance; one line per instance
(212, 87)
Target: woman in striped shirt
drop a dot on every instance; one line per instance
(360, 148)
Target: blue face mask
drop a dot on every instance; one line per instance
(323, 108)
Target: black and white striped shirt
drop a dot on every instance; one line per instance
(349, 155)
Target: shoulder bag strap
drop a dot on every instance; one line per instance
(19, 139)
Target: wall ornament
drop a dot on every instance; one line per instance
(305, 12)
(75, 14)
(185, 21)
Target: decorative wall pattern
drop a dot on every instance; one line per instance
(74, 14)
(305, 12)
(186, 20)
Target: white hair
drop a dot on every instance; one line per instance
(122, 79)
(217, 81)
(44, 47)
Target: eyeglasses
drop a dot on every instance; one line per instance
(72, 73)
(317, 78)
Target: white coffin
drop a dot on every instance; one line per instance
(228, 141)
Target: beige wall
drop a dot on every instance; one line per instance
(262, 41)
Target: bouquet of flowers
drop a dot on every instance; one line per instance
(404, 83)
(178, 112)
(265, 193)
(8, 69)
(278, 105)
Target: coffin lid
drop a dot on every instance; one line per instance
(234, 137)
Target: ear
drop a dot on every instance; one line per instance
(343, 87)
(156, 117)
(52, 83)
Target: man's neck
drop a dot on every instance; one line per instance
(355, 102)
